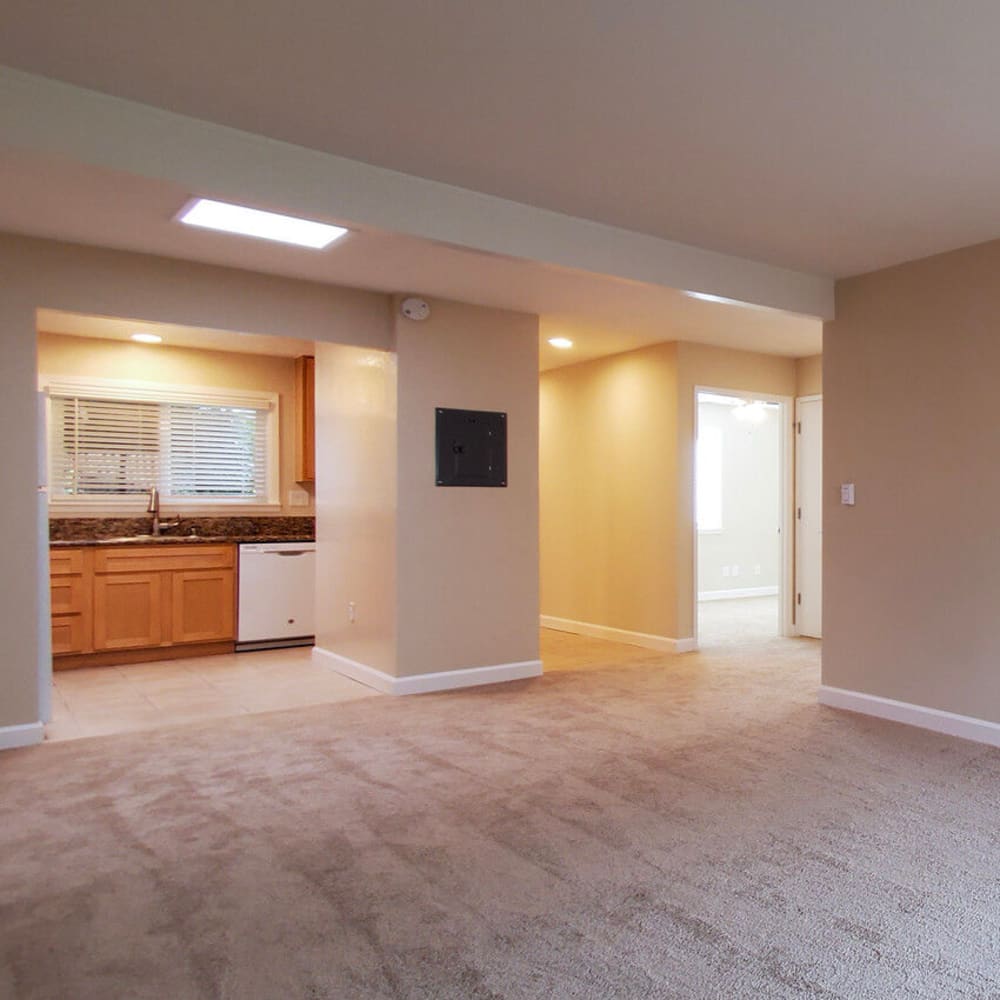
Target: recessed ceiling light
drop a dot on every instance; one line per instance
(563, 343)
(244, 221)
(147, 338)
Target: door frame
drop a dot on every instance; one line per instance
(786, 500)
(816, 397)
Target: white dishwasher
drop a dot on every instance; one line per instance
(276, 595)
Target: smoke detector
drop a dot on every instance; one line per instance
(416, 309)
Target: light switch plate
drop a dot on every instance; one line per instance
(847, 494)
(298, 498)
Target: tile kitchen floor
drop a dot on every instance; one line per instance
(95, 701)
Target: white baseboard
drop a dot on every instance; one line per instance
(728, 595)
(966, 727)
(25, 735)
(663, 643)
(443, 680)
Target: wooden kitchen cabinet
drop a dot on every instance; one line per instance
(70, 595)
(203, 605)
(128, 610)
(143, 602)
(305, 419)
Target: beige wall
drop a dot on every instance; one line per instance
(42, 273)
(910, 584)
(617, 481)
(86, 357)
(443, 578)
(809, 376)
(608, 459)
(468, 557)
(356, 509)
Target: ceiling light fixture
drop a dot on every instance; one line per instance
(243, 221)
(147, 338)
(721, 299)
(563, 343)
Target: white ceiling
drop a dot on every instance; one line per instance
(50, 196)
(832, 138)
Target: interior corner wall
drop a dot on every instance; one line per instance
(356, 504)
(467, 556)
(911, 583)
(809, 376)
(717, 368)
(608, 459)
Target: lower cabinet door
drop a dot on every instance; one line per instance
(128, 611)
(68, 634)
(203, 605)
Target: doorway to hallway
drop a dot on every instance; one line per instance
(742, 496)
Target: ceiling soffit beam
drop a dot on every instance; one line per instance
(47, 116)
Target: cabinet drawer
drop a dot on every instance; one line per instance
(155, 558)
(63, 561)
(69, 634)
(68, 595)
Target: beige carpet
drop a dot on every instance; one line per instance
(649, 826)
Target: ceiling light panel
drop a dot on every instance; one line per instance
(243, 221)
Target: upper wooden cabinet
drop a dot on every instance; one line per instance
(305, 418)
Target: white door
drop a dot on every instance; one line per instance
(809, 516)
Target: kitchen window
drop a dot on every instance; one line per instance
(109, 441)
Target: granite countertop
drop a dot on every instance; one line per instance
(177, 540)
(103, 531)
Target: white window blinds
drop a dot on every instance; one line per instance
(110, 440)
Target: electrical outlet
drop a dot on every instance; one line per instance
(756, 570)
(736, 571)
(352, 612)
(298, 498)
(725, 571)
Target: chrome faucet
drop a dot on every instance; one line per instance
(154, 509)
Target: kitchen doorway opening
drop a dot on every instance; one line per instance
(743, 499)
(171, 459)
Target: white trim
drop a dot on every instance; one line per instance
(137, 390)
(798, 573)
(443, 680)
(26, 735)
(663, 643)
(725, 595)
(965, 727)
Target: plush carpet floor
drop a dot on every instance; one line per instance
(630, 825)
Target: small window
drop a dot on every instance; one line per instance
(708, 478)
(109, 441)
